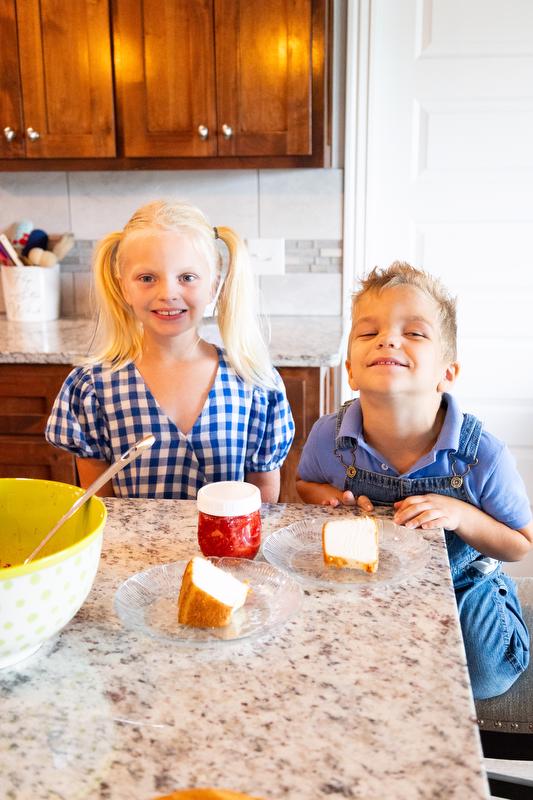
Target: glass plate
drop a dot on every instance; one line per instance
(297, 549)
(148, 602)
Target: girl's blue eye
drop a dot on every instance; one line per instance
(188, 277)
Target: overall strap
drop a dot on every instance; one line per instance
(466, 452)
(342, 442)
(469, 439)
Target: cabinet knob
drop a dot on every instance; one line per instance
(9, 133)
(203, 132)
(32, 134)
(227, 131)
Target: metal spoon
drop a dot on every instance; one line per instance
(125, 458)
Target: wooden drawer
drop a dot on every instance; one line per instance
(33, 457)
(27, 393)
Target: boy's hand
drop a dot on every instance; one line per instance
(348, 499)
(429, 511)
(328, 495)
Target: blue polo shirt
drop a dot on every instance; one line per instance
(494, 483)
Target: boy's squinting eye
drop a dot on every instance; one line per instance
(416, 334)
(366, 334)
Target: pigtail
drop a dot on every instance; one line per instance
(237, 318)
(118, 335)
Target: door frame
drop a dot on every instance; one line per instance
(355, 155)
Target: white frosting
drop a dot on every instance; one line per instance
(218, 583)
(352, 540)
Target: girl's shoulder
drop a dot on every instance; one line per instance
(80, 377)
(228, 373)
(93, 378)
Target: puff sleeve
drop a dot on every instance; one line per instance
(77, 422)
(270, 430)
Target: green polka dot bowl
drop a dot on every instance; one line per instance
(38, 599)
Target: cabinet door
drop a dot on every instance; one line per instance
(11, 122)
(164, 68)
(264, 62)
(66, 76)
(27, 392)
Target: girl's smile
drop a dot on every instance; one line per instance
(169, 313)
(165, 280)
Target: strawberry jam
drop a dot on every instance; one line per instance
(239, 537)
(229, 519)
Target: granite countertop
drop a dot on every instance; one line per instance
(295, 341)
(361, 694)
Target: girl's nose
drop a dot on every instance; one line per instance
(169, 289)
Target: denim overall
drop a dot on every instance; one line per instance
(495, 637)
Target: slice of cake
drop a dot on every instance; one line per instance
(351, 543)
(209, 595)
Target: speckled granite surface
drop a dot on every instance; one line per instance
(360, 695)
(294, 342)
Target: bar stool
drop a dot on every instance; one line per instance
(506, 722)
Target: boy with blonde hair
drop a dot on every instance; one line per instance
(404, 442)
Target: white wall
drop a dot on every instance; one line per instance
(442, 127)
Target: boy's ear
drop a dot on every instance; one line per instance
(351, 380)
(450, 375)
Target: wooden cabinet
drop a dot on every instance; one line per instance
(311, 393)
(198, 84)
(56, 90)
(165, 77)
(240, 83)
(27, 392)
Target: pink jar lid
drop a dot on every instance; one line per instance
(228, 499)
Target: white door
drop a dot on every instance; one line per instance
(449, 183)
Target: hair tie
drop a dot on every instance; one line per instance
(216, 232)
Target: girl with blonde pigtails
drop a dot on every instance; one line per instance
(217, 414)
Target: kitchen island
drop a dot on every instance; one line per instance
(361, 694)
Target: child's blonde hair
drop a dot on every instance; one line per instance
(402, 274)
(120, 334)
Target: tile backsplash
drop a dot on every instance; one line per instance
(303, 207)
(311, 284)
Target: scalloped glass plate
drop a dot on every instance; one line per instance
(148, 602)
(297, 549)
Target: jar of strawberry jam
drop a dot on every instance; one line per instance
(229, 520)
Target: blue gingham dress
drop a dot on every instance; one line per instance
(100, 413)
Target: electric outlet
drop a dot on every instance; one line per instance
(267, 256)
